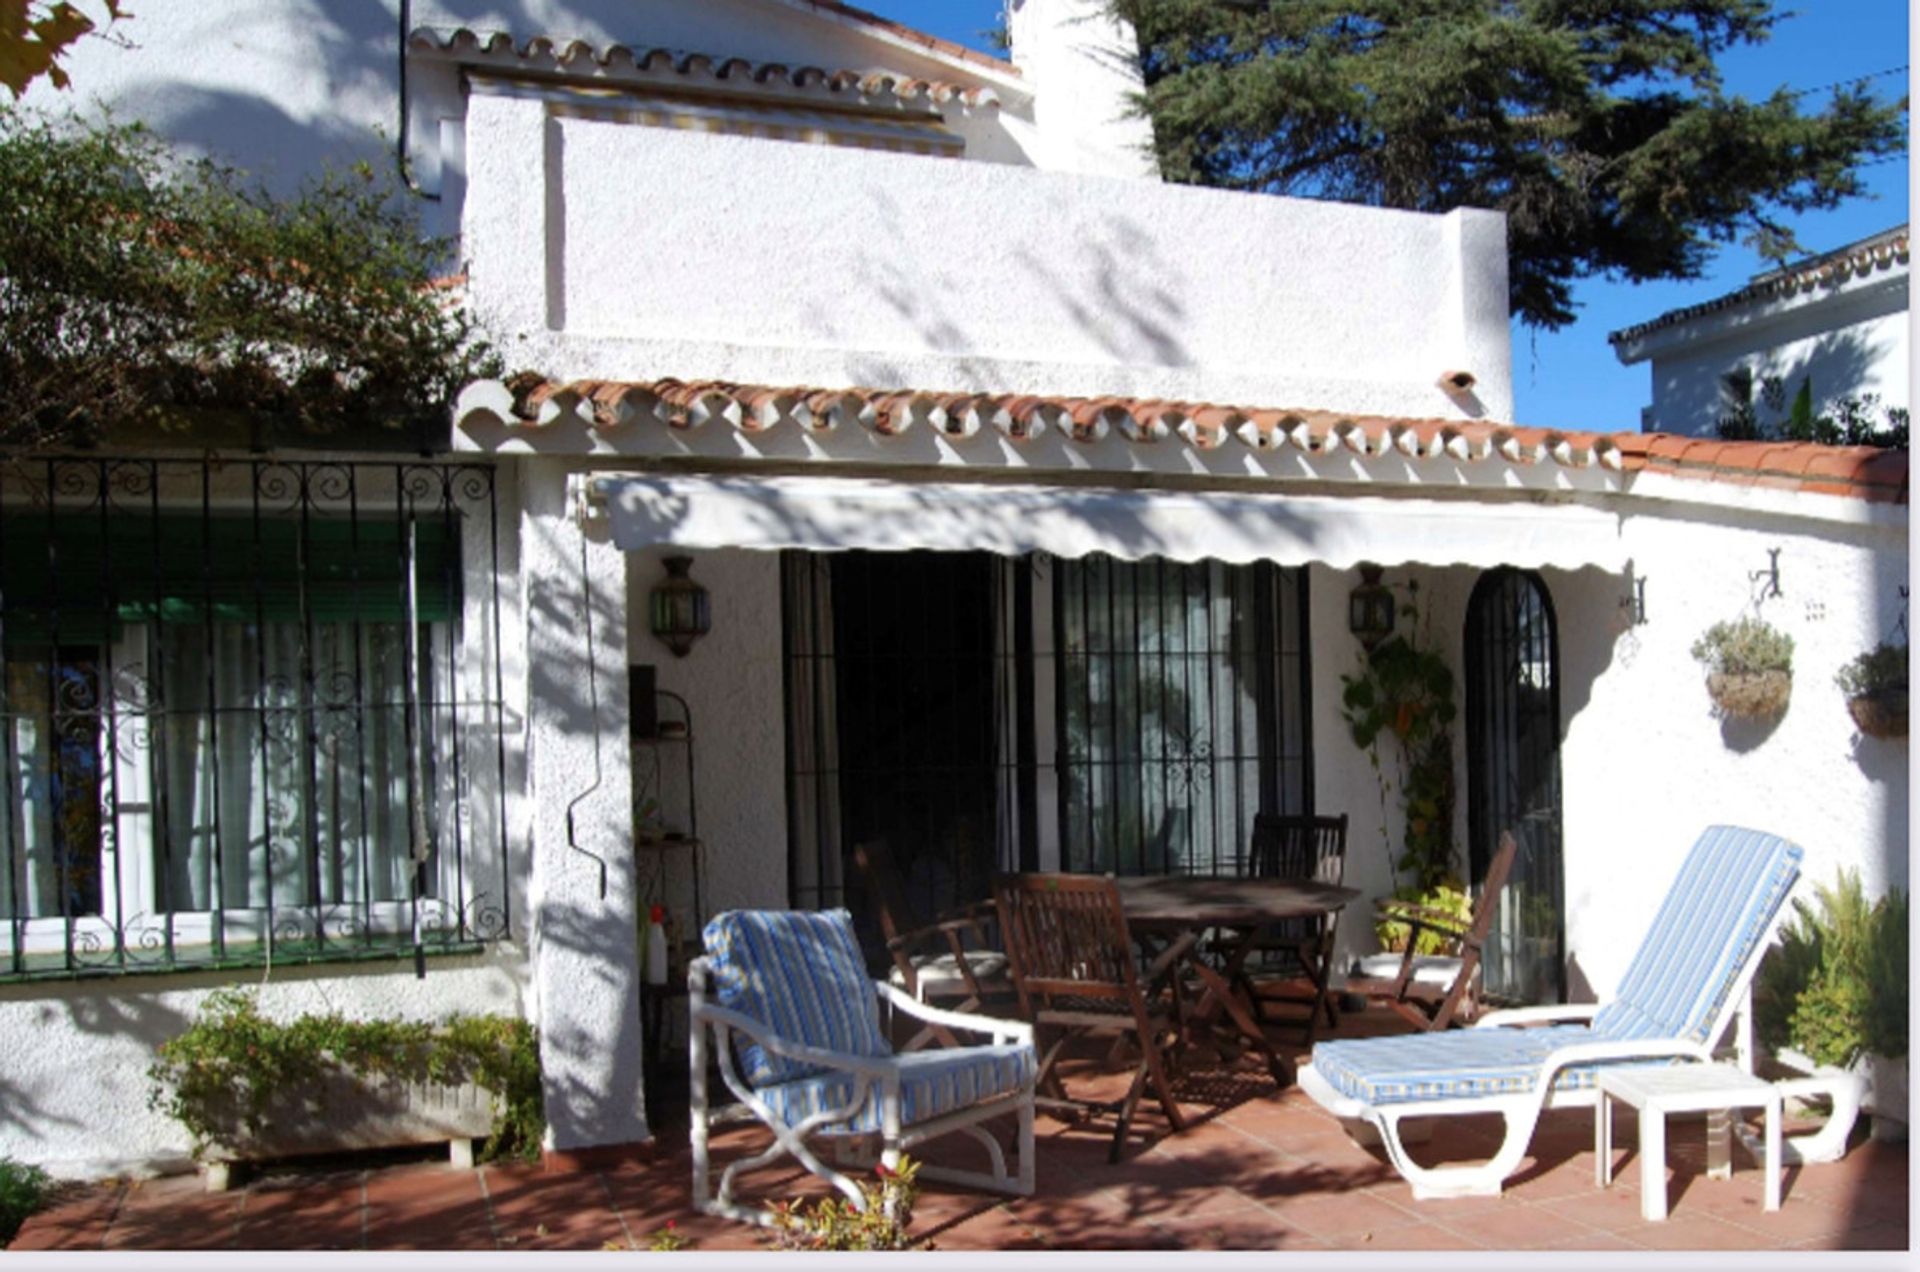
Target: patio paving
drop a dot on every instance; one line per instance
(1255, 1170)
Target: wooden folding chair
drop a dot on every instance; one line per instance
(1290, 847)
(1431, 990)
(960, 977)
(1072, 962)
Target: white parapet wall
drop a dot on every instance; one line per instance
(622, 251)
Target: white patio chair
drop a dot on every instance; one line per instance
(1692, 974)
(797, 1035)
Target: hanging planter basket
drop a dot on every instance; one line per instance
(1881, 713)
(1750, 695)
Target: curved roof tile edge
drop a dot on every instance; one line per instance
(731, 72)
(532, 401)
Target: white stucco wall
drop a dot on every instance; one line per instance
(771, 262)
(1850, 341)
(1084, 65)
(585, 970)
(74, 1054)
(1646, 766)
(732, 681)
(283, 87)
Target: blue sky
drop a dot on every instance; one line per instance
(1570, 378)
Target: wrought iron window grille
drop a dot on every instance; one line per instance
(251, 710)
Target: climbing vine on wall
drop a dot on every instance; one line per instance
(1401, 699)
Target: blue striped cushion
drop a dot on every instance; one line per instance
(1454, 1065)
(1727, 891)
(932, 1084)
(800, 973)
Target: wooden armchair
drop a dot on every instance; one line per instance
(950, 962)
(1431, 991)
(1072, 962)
(1292, 959)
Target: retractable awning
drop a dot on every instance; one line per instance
(837, 513)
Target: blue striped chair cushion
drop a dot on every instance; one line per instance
(1727, 891)
(1454, 1065)
(932, 1084)
(800, 973)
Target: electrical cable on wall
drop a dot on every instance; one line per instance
(593, 709)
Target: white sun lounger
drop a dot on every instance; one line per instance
(1690, 978)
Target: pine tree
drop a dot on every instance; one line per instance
(1600, 127)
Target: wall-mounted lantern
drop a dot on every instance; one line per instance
(1370, 607)
(679, 607)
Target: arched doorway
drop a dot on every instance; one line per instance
(1513, 779)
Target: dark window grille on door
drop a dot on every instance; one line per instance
(1513, 759)
(1181, 708)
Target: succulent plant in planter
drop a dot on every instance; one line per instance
(1876, 687)
(1749, 667)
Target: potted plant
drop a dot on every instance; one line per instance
(1876, 687)
(1749, 667)
(247, 1087)
(1832, 995)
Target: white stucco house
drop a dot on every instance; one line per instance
(1838, 320)
(1027, 493)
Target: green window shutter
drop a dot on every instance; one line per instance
(75, 578)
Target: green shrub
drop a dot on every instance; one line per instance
(1747, 646)
(1884, 667)
(233, 1049)
(140, 290)
(1835, 987)
(22, 1190)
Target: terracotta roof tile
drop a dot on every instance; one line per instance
(621, 61)
(1881, 251)
(1861, 472)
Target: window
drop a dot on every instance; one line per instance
(249, 711)
(1181, 708)
(984, 713)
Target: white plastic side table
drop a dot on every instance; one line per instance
(1659, 1090)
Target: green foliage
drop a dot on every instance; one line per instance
(233, 1060)
(832, 1223)
(22, 1190)
(139, 293)
(1600, 127)
(1447, 896)
(1744, 647)
(35, 35)
(1854, 421)
(1405, 692)
(1835, 986)
(668, 1238)
(1883, 667)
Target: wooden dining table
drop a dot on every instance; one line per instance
(1181, 907)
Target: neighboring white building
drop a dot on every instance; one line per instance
(794, 322)
(1838, 320)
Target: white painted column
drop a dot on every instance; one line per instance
(584, 946)
(1084, 67)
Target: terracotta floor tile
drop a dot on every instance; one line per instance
(175, 1219)
(76, 1221)
(1695, 1232)
(1421, 1236)
(1587, 1239)
(1517, 1226)
(1609, 1209)
(570, 1211)
(1254, 1229)
(1339, 1216)
(1876, 1236)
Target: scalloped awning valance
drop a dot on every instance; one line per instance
(707, 511)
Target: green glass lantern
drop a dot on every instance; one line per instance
(1370, 608)
(680, 614)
